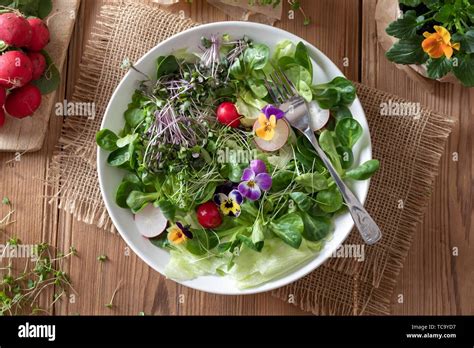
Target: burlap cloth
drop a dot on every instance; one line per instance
(409, 149)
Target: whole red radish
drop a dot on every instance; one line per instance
(39, 64)
(40, 37)
(2, 117)
(227, 114)
(23, 101)
(208, 215)
(15, 30)
(3, 96)
(16, 69)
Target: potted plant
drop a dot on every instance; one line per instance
(435, 37)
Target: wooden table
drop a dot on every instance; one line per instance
(433, 281)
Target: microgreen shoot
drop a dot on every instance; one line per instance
(110, 305)
(21, 290)
(102, 258)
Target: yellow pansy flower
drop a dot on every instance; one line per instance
(439, 44)
(266, 127)
(178, 234)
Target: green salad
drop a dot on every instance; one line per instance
(215, 174)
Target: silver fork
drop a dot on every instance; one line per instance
(284, 93)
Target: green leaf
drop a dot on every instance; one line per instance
(297, 73)
(289, 229)
(470, 12)
(302, 200)
(305, 91)
(202, 242)
(107, 140)
(207, 193)
(256, 57)
(236, 70)
(256, 239)
(44, 9)
(315, 227)
(50, 79)
(134, 117)
(348, 131)
(407, 51)
(364, 171)
(119, 157)
(338, 92)
(341, 112)
(411, 3)
(166, 65)
(281, 180)
(138, 200)
(327, 144)
(302, 57)
(307, 156)
(437, 68)
(127, 140)
(405, 27)
(312, 182)
(284, 48)
(248, 214)
(346, 155)
(248, 242)
(258, 88)
(466, 41)
(258, 234)
(129, 183)
(160, 241)
(236, 171)
(432, 4)
(167, 208)
(34, 8)
(286, 62)
(464, 71)
(445, 13)
(329, 200)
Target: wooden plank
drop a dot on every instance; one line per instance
(434, 281)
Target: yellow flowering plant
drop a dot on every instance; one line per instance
(438, 34)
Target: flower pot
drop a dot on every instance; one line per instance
(386, 12)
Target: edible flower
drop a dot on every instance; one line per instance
(267, 122)
(439, 43)
(255, 179)
(178, 234)
(229, 204)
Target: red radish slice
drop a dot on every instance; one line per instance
(150, 221)
(319, 117)
(282, 132)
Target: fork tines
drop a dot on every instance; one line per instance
(281, 89)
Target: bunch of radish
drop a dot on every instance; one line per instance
(21, 62)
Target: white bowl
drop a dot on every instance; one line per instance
(110, 178)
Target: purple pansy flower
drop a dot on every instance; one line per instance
(185, 230)
(226, 187)
(270, 110)
(229, 204)
(255, 179)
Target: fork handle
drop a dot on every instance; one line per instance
(367, 227)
